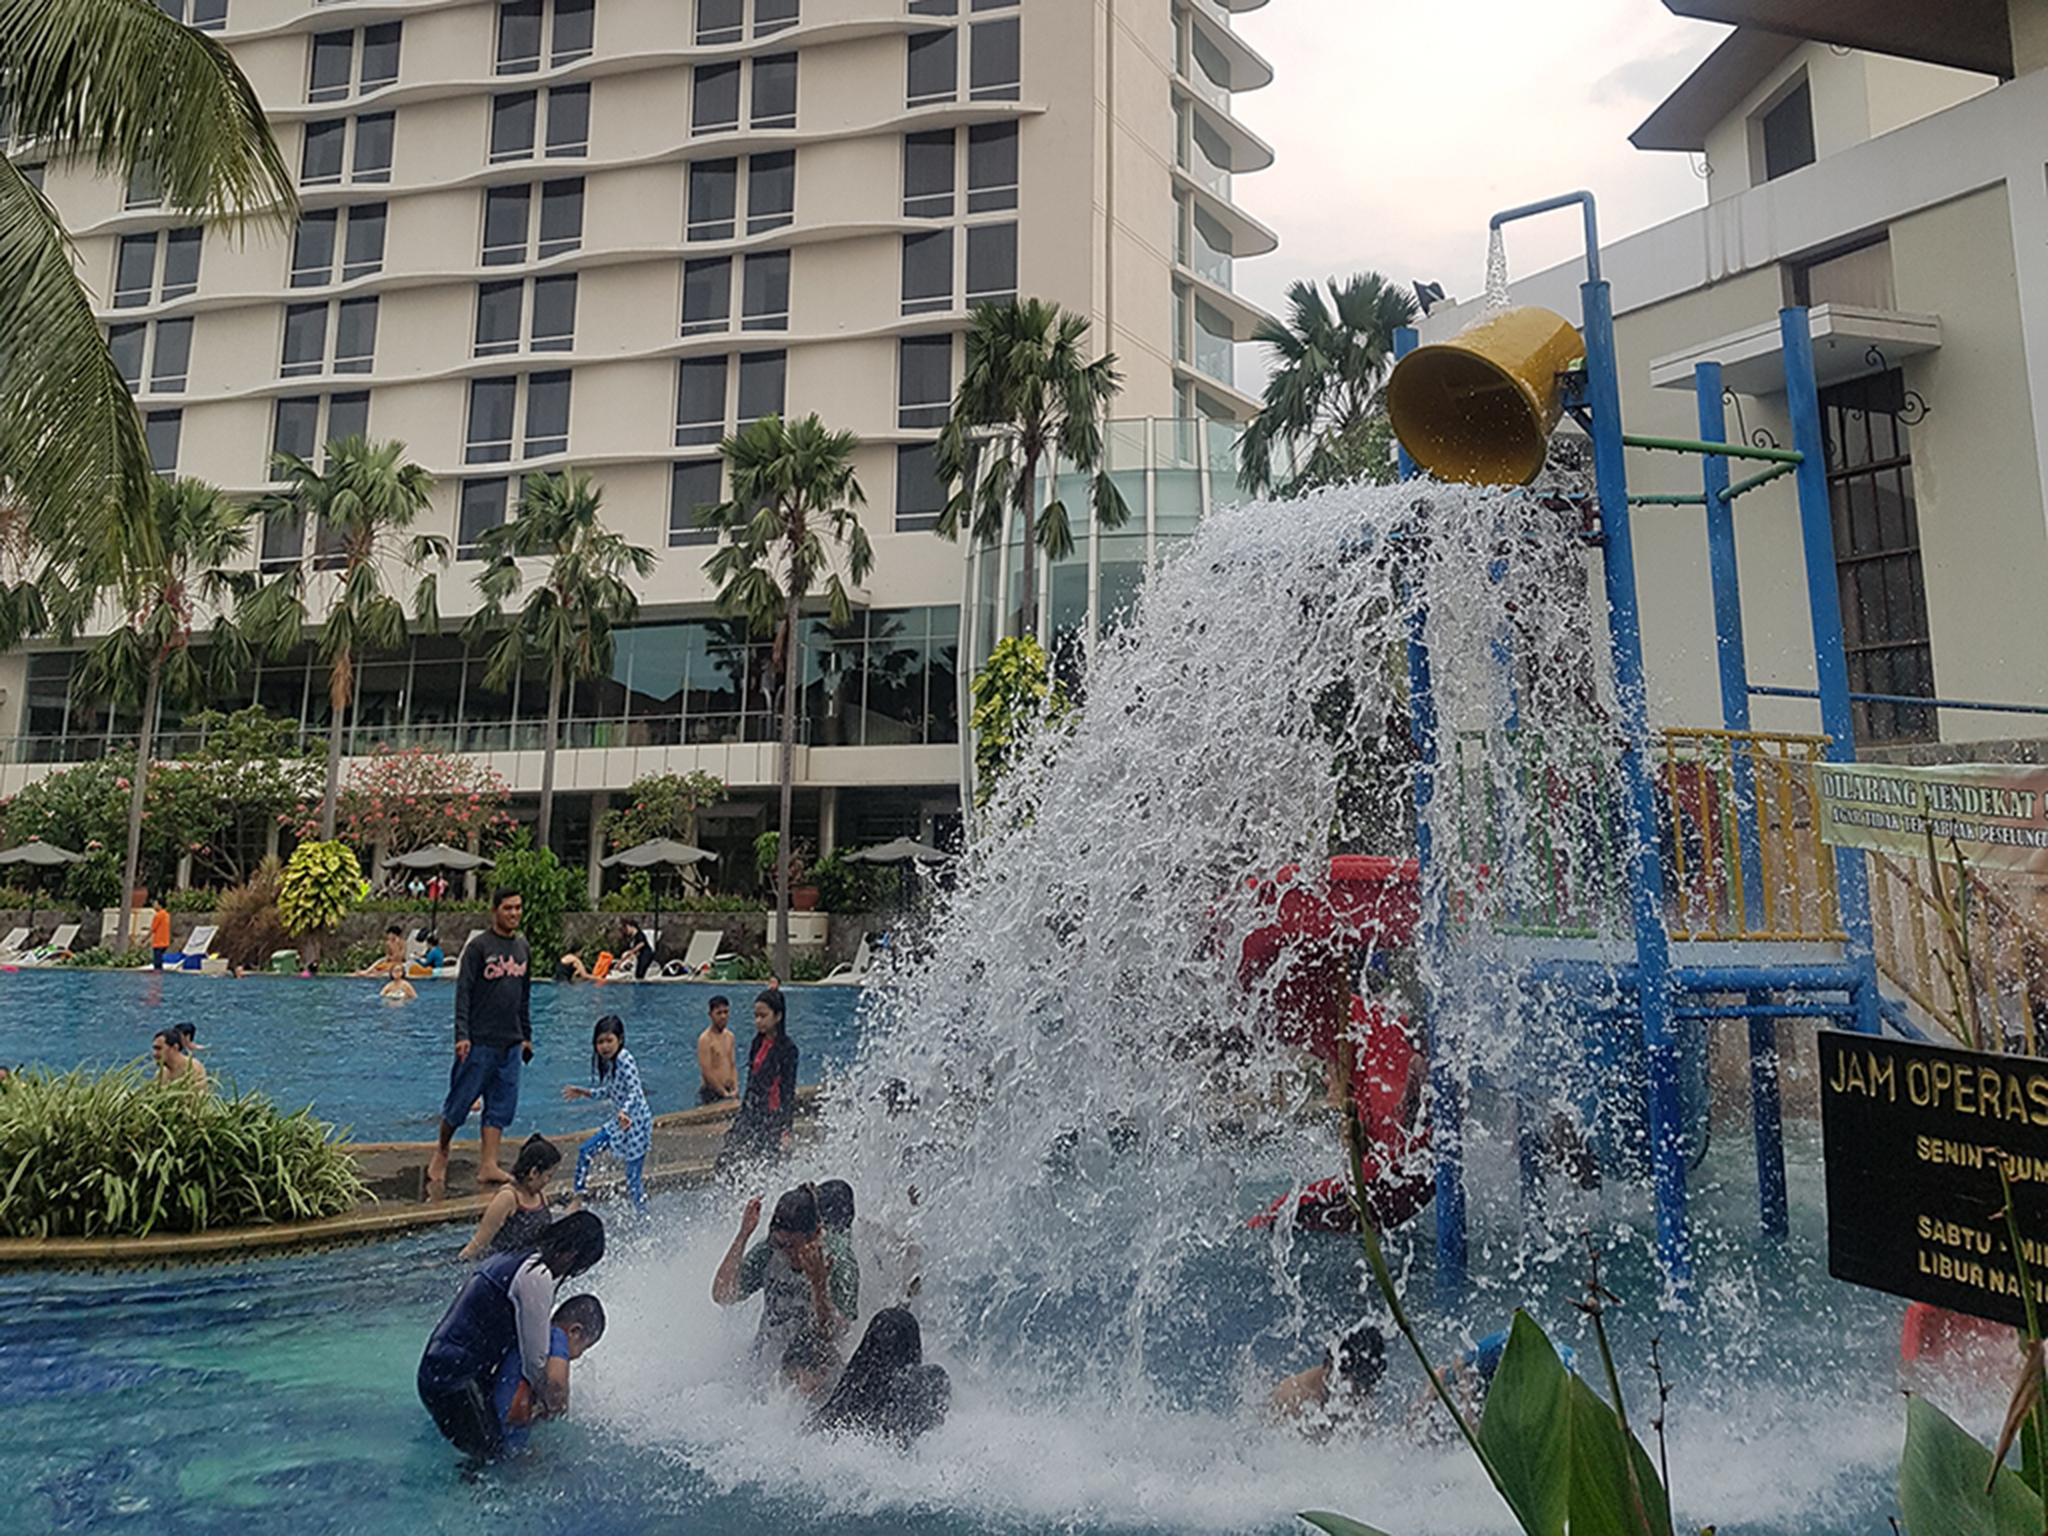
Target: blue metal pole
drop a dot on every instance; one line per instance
(1447, 1106)
(1766, 1113)
(1646, 861)
(1830, 660)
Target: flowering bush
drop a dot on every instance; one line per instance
(409, 797)
(662, 805)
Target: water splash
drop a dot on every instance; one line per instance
(1496, 269)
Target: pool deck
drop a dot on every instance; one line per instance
(685, 1148)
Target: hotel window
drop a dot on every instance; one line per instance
(764, 378)
(991, 167)
(713, 194)
(1784, 134)
(363, 248)
(305, 337)
(519, 29)
(495, 405)
(928, 175)
(928, 272)
(160, 430)
(924, 381)
(322, 153)
(933, 72)
(764, 292)
(314, 242)
(771, 191)
(136, 265)
(721, 21)
(355, 335)
(305, 340)
(513, 117)
(934, 7)
(715, 98)
(568, 122)
(491, 407)
(774, 103)
(168, 348)
(327, 145)
(991, 264)
(145, 188)
(547, 414)
(482, 508)
(1878, 568)
(995, 70)
(772, 16)
(575, 31)
(554, 313)
(501, 308)
(700, 401)
(694, 484)
(707, 295)
(201, 15)
(508, 220)
(372, 160)
(920, 494)
(332, 73)
(296, 430)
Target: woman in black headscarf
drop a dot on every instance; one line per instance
(887, 1389)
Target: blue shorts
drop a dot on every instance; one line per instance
(489, 1071)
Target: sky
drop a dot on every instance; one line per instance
(1400, 125)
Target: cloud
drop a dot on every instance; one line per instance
(1399, 128)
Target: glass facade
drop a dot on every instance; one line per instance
(888, 679)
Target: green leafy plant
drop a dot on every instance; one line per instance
(351, 958)
(120, 1155)
(662, 805)
(1013, 692)
(808, 967)
(845, 887)
(547, 886)
(321, 883)
(98, 958)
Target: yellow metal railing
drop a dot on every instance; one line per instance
(1708, 783)
(2008, 953)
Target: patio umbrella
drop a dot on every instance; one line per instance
(658, 852)
(901, 850)
(441, 859)
(39, 856)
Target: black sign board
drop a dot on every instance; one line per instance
(1913, 1137)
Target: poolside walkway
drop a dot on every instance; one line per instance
(685, 1146)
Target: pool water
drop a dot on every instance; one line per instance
(276, 1396)
(380, 1069)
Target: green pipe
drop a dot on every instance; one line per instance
(1682, 501)
(1729, 450)
(1762, 477)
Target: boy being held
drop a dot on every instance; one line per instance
(577, 1324)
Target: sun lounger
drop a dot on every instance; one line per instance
(58, 947)
(193, 955)
(853, 972)
(11, 949)
(705, 950)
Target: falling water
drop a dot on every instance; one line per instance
(1496, 269)
(1065, 1106)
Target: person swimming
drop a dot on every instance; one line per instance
(887, 1389)
(1346, 1378)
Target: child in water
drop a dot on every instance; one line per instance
(577, 1324)
(614, 1077)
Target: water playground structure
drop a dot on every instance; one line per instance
(1700, 842)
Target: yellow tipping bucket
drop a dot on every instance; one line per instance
(1479, 409)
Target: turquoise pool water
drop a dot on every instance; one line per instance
(381, 1068)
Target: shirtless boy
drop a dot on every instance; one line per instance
(716, 1063)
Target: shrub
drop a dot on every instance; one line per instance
(351, 958)
(321, 882)
(409, 797)
(808, 967)
(547, 886)
(198, 898)
(122, 1156)
(662, 805)
(845, 887)
(250, 929)
(98, 957)
(1013, 693)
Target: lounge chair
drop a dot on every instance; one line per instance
(855, 971)
(58, 947)
(192, 956)
(11, 950)
(704, 951)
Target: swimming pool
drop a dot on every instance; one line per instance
(381, 1068)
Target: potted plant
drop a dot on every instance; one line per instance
(803, 894)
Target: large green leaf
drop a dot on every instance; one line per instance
(1560, 1451)
(1943, 1476)
(1339, 1525)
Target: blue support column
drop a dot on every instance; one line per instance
(1830, 660)
(1766, 1116)
(1447, 1107)
(1646, 862)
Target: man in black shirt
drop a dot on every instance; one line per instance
(493, 1038)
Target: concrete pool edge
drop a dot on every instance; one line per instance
(396, 1172)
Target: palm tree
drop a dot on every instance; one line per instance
(198, 532)
(1028, 391)
(788, 528)
(1323, 399)
(119, 86)
(363, 504)
(568, 616)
